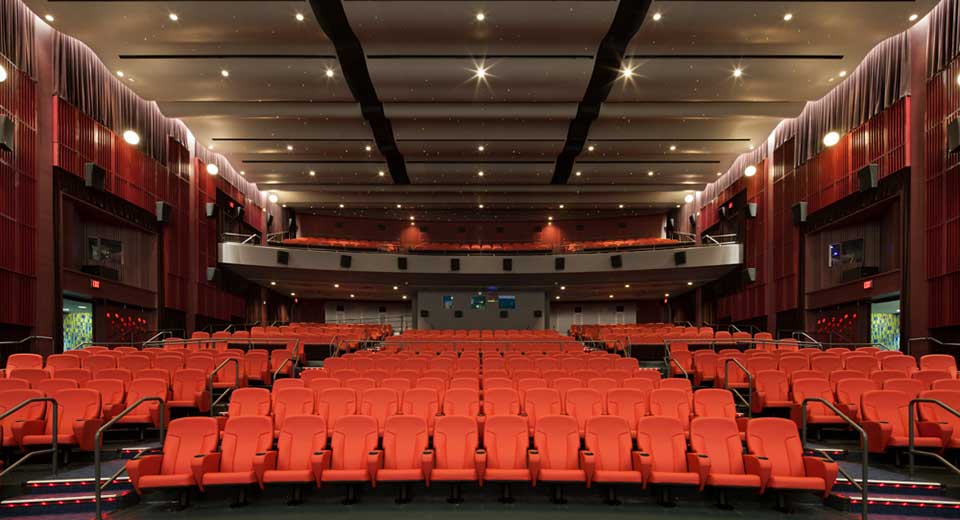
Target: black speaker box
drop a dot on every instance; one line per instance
(799, 213)
(213, 274)
(722, 210)
(340, 308)
(164, 212)
(8, 134)
(751, 210)
(693, 221)
(94, 176)
(381, 309)
(953, 136)
(750, 275)
(508, 264)
(345, 261)
(292, 226)
(538, 314)
(620, 308)
(454, 264)
(402, 263)
(283, 257)
(504, 314)
(269, 220)
(211, 209)
(616, 261)
(457, 314)
(560, 263)
(680, 258)
(868, 177)
(424, 313)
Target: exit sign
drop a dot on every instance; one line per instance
(868, 284)
(94, 284)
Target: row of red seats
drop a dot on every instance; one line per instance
(479, 333)
(503, 247)
(572, 247)
(337, 243)
(452, 363)
(436, 347)
(355, 452)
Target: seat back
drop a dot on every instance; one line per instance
(351, 440)
(334, 403)
(187, 383)
(421, 402)
(826, 363)
(404, 439)
(849, 391)
(664, 439)
(186, 438)
(540, 402)
(506, 438)
(57, 362)
(436, 383)
(135, 362)
(807, 388)
(583, 403)
(24, 360)
(243, 438)
(249, 402)
(906, 364)
(773, 384)
(865, 364)
(111, 391)
(76, 404)
(292, 401)
(670, 402)
(882, 376)
(299, 438)
(792, 362)
(678, 383)
(557, 438)
(714, 402)
(50, 386)
(145, 387)
(455, 441)
(32, 375)
(121, 374)
(603, 384)
(628, 403)
(779, 441)
(359, 384)
(929, 377)
(944, 362)
(608, 437)
(80, 375)
(759, 363)
(99, 362)
(461, 401)
(911, 387)
(169, 363)
(13, 397)
(933, 413)
(719, 439)
(501, 401)
(888, 406)
(946, 384)
(14, 384)
(379, 403)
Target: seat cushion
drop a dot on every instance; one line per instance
(136, 418)
(229, 478)
(167, 481)
(811, 483)
(454, 475)
(182, 404)
(399, 475)
(345, 475)
(278, 476)
(670, 477)
(903, 440)
(616, 476)
(729, 480)
(562, 475)
(507, 475)
(46, 439)
(824, 419)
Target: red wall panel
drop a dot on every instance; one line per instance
(211, 301)
(175, 189)
(786, 236)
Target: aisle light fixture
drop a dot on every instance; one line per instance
(131, 137)
(750, 171)
(174, 17)
(831, 139)
(213, 169)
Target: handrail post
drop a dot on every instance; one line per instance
(726, 382)
(236, 379)
(864, 444)
(55, 429)
(911, 416)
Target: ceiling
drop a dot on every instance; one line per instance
(402, 97)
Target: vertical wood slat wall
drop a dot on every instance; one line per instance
(211, 300)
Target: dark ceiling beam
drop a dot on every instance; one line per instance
(626, 22)
(353, 63)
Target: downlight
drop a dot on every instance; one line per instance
(750, 171)
(131, 137)
(213, 169)
(831, 139)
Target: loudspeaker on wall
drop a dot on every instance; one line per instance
(750, 275)
(346, 261)
(213, 274)
(283, 257)
(164, 211)
(751, 210)
(94, 176)
(868, 176)
(210, 209)
(680, 258)
(559, 264)
(454, 264)
(8, 134)
(508, 264)
(799, 212)
(953, 136)
(402, 263)
(616, 261)
(269, 220)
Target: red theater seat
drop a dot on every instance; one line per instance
(849, 392)
(186, 439)
(78, 421)
(461, 401)
(672, 403)
(57, 362)
(556, 459)
(938, 422)
(717, 402)
(23, 360)
(817, 413)
(51, 386)
(14, 384)
(247, 402)
(771, 390)
(292, 401)
(456, 454)
(540, 402)
(30, 413)
(662, 445)
(629, 404)
(423, 403)
(379, 403)
(189, 390)
(405, 454)
(928, 377)
(911, 387)
(865, 364)
(135, 362)
(501, 401)
(301, 455)
(943, 362)
(334, 403)
(99, 362)
(506, 439)
(80, 375)
(353, 453)
(717, 454)
(905, 364)
(31, 375)
(886, 420)
(776, 456)
(609, 457)
(256, 366)
(244, 454)
(583, 403)
(147, 413)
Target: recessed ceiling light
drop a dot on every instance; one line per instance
(480, 148)
(578, 174)
(404, 296)
(626, 72)
(313, 173)
(563, 287)
(353, 296)
(289, 147)
(557, 297)
(381, 173)
(273, 198)
(413, 217)
(590, 148)
(273, 283)
(213, 169)
(481, 17)
(293, 294)
(480, 206)
(666, 295)
(561, 206)
(787, 17)
(48, 17)
(283, 205)
(750, 171)
(299, 17)
(3, 74)
(242, 172)
(329, 73)
(131, 137)
(650, 173)
(480, 173)
(336, 286)
(480, 72)
(688, 198)
(341, 206)
(620, 206)
(399, 206)
(958, 78)
(737, 72)
(831, 139)
(225, 73)
(719, 174)
(673, 147)
(913, 17)
(174, 17)
(120, 74)
(626, 286)
(689, 283)
(367, 148)
(611, 296)
(842, 73)
(395, 288)
(550, 219)
(657, 17)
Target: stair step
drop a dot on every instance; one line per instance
(77, 485)
(888, 503)
(889, 487)
(68, 502)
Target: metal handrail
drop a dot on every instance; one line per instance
(863, 485)
(930, 339)
(734, 391)
(26, 339)
(912, 415)
(54, 432)
(98, 449)
(236, 381)
(276, 373)
(797, 334)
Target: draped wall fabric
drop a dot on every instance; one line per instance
(17, 35)
(943, 40)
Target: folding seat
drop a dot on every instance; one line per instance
(247, 402)
(440, 385)
(99, 362)
(681, 363)
(80, 375)
(645, 385)
(148, 413)
(931, 376)
(169, 363)
(189, 390)
(243, 457)
(472, 364)
(882, 376)
(776, 456)
(609, 457)
(281, 362)
(497, 382)
(457, 457)
(360, 364)
(868, 350)
(583, 403)
(334, 403)
(334, 364)
(911, 387)
(938, 422)
(817, 413)
(730, 369)
(23, 360)
(626, 363)
(399, 384)
(443, 363)
(565, 384)
(409, 375)
(232, 374)
(884, 354)
(826, 363)
(465, 382)
(95, 349)
(121, 374)
(14, 384)
(906, 364)
(506, 439)
(153, 373)
(603, 384)
(461, 401)
(300, 454)
(849, 392)
(416, 364)
(670, 402)
(886, 420)
(717, 454)
(353, 450)
(522, 385)
(663, 446)
(628, 403)
(717, 402)
(28, 414)
(135, 362)
(807, 374)
(50, 386)
(406, 457)
(704, 367)
(556, 455)
(760, 362)
(423, 403)
(281, 384)
(652, 375)
(678, 383)
(186, 439)
(379, 403)
(78, 420)
(791, 363)
(31, 375)
(946, 384)
(540, 402)
(501, 401)
(389, 364)
(57, 362)
(864, 364)
(317, 384)
(601, 364)
(939, 362)
(359, 384)
(618, 375)
(840, 375)
(571, 364)
(546, 363)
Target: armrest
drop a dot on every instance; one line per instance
(203, 401)
(878, 435)
(262, 462)
(146, 465)
(699, 463)
(759, 466)
(759, 399)
(204, 463)
(319, 461)
(374, 461)
(942, 430)
(426, 465)
(820, 468)
(24, 428)
(646, 467)
(155, 414)
(221, 422)
(533, 464)
(589, 464)
(480, 459)
(85, 430)
(110, 410)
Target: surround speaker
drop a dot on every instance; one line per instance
(213, 274)
(750, 275)
(693, 221)
(269, 220)
(868, 176)
(953, 136)
(454, 264)
(94, 176)
(620, 308)
(424, 313)
(559, 264)
(283, 257)
(164, 211)
(508, 264)
(8, 134)
(537, 313)
(799, 213)
(751, 210)
(616, 261)
(237, 212)
(292, 226)
(345, 261)
(402, 263)
(504, 314)
(381, 309)
(680, 258)
(457, 314)
(211, 209)
(722, 210)
(340, 308)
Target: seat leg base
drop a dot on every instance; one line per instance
(351, 497)
(506, 497)
(783, 505)
(455, 497)
(722, 500)
(611, 499)
(664, 497)
(240, 499)
(296, 497)
(558, 494)
(403, 495)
